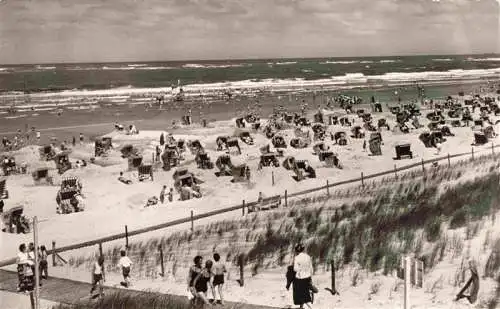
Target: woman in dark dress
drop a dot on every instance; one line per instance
(300, 276)
(202, 282)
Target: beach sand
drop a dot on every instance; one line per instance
(110, 205)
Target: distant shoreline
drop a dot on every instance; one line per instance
(96, 122)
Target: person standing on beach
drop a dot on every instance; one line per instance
(73, 142)
(171, 195)
(81, 139)
(44, 265)
(194, 271)
(219, 271)
(472, 285)
(202, 282)
(125, 263)
(38, 136)
(98, 276)
(302, 285)
(162, 194)
(22, 262)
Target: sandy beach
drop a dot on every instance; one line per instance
(110, 204)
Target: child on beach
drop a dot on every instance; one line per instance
(123, 179)
(125, 263)
(219, 271)
(171, 195)
(44, 265)
(162, 194)
(98, 276)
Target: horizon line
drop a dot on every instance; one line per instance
(251, 58)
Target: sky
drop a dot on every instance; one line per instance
(55, 31)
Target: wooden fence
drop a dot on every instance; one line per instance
(241, 207)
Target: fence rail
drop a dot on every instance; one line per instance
(247, 205)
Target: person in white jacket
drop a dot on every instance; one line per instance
(302, 284)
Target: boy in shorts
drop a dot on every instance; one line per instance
(125, 263)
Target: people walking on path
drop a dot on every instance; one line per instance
(194, 271)
(98, 277)
(219, 272)
(125, 264)
(202, 282)
(302, 284)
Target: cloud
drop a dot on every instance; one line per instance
(104, 30)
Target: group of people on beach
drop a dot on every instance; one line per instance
(203, 276)
(98, 275)
(26, 266)
(20, 140)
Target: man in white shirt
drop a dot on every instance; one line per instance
(125, 263)
(302, 284)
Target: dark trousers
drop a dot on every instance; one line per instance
(44, 269)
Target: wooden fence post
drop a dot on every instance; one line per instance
(100, 249)
(333, 289)
(492, 148)
(192, 221)
(272, 177)
(162, 265)
(327, 188)
(126, 237)
(472, 153)
(241, 261)
(286, 198)
(395, 171)
(362, 180)
(243, 208)
(423, 167)
(53, 254)
(449, 162)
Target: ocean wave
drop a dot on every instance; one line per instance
(442, 60)
(137, 65)
(39, 67)
(131, 95)
(484, 59)
(390, 61)
(285, 63)
(213, 66)
(339, 62)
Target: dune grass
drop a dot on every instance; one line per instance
(137, 300)
(407, 213)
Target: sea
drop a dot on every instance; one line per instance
(88, 83)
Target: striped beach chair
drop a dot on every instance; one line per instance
(64, 199)
(71, 182)
(145, 172)
(4, 194)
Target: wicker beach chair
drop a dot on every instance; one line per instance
(145, 172)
